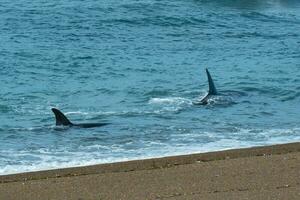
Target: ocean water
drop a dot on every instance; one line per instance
(139, 65)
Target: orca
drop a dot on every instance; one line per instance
(211, 90)
(62, 120)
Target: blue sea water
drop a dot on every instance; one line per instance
(139, 65)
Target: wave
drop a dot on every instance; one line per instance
(182, 143)
(163, 21)
(258, 16)
(5, 108)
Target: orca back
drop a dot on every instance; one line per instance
(90, 125)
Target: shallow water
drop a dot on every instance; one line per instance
(140, 65)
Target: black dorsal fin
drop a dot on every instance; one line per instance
(212, 89)
(61, 119)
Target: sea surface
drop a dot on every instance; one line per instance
(140, 65)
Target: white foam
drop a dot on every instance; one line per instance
(170, 100)
(77, 112)
(184, 143)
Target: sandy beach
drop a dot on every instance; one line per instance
(271, 172)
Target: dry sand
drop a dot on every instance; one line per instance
(271, 172)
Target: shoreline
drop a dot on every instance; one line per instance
(153, 163)
(69, 177)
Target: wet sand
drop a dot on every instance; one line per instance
(271, 172)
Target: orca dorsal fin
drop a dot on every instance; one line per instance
(212, 89)
(61, 119)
